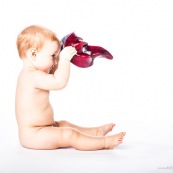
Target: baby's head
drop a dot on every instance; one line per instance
(34, 37)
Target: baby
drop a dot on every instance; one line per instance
(45, 68)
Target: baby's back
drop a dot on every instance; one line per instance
(33, 108)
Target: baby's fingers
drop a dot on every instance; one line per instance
(68, 53)
(71, 50)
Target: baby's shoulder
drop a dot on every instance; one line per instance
(27, 76)
(26, 73)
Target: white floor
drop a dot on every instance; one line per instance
(134, 90)
(139, 157)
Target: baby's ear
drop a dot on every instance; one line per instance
(33, 53)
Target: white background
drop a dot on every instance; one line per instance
(134, 90)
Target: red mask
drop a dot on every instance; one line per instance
(85, 53)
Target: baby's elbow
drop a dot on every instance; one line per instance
(60, 85)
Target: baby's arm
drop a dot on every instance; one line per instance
(63, 71)
(59, 79)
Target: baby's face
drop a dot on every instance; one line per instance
(47, 57)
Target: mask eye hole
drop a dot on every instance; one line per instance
(84, 50)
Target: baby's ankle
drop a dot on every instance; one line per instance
(107, 142)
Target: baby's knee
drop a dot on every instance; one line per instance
(69, 134)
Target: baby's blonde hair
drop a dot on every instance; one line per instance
(34, 37)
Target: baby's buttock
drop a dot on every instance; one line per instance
(29, 136)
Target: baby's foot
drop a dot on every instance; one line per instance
(103, 130)
(114, 140)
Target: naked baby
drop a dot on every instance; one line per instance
(46, 68)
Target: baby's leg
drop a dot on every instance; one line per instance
(53, 138)
(95, 131)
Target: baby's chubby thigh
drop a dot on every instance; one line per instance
(49, 138)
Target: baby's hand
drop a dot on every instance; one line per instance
(67, 53)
